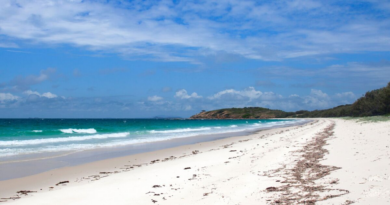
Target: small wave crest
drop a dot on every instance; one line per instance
(62, 139)
(87, 139)
(86, 131)
(179, 130)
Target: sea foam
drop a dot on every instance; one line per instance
(86, 131)
(62, 139)
(90, 139)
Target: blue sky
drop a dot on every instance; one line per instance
(125, 59)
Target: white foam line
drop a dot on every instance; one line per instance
(86, 131)
(62, 139)
(165, 136)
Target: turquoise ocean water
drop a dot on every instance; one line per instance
(32, 136)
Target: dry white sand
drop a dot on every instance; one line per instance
(285, 166)
(362, 150)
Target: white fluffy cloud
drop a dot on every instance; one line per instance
(346, 97)
(318, 93)
(321, 100)
(182, 94)
(46, 95)
(317, 99)
(7, 97)
(248, 93)
(154, 98)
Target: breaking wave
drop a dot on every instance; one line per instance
(62, 139)
(85, 131)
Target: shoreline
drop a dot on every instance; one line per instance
(49, 178)
(152, 136)
(325, 161)
(42, 162)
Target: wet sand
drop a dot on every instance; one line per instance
(31, 175)
(25, 165)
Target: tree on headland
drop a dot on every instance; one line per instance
(376, 102)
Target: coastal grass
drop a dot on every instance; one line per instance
(381, 118)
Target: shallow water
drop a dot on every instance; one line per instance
(25, 164)
(20, 137)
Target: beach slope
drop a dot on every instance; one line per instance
(326, 161)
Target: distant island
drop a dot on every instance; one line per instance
(376, 102)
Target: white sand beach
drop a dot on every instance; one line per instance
(326, 161)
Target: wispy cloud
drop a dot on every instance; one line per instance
(46, 95)
(181, 31)
(8, 45)
(154, 98)
(262, 83)
(22, 83)
(352, 74)
(166, 89)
